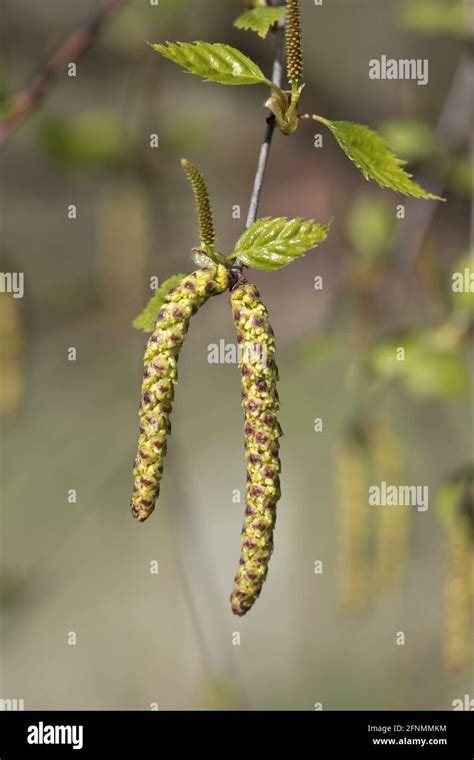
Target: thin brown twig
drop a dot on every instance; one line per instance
(78, 43)
(270, 128)
(277, 76)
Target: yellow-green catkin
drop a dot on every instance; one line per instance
(11, 355)
(294, 53)
(260, 403)
(392, 522)
(203, 204)
(160, 377)
(353, 525)
(458, 593)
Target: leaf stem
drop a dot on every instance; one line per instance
(310, 116)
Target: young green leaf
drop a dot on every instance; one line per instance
(271, 244)
(146, 320)
(374, 157)
(214, 62)
(260, 19)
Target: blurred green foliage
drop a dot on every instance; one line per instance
(430, 369)
(436, 17)
(370, 226)
(412, 138)
(260, 19)
(93, 138)
(139, 22)
(461, 176)
(449, 497)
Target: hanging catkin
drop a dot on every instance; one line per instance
(259, 376)
(160, 377)
(353, 523)
(11, 355)
(392, 523)
(458, 591)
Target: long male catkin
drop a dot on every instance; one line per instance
(160, 377)
(353, 524)
(392, 523)
(259, 376)
(458, 591)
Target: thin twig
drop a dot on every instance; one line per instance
(270, 128)
(69, 51)
(277, 76)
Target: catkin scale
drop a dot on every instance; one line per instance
(260, 403)
(160, 377)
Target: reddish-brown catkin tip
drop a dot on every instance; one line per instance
(262, 432)
(160, 377)
(294, 52)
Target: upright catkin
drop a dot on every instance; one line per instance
(294, 53)
(203, 204)
(160, 377)
(260, 403)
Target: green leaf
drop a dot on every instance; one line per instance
(260, 19)
(271, 244)
(214, 62)
(146, 320)
(373, 156)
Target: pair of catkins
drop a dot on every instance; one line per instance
(260, 403)
(268, 244)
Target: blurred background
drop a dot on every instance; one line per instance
(78, 562)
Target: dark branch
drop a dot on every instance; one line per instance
(69, 51)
